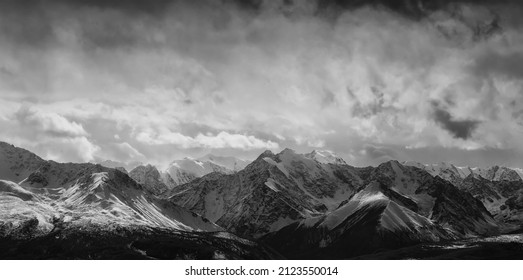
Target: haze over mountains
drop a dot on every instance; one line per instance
(280, 205)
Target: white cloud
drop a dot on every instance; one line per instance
(48, 122)
(78, 149)
(131, 152)
(235, 141)
(122, 152)
(165, 137)
(219, 141)
(48, 134)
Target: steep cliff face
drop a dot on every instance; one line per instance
(501, 198)
(150, 178)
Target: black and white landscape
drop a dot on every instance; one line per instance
(258, 129)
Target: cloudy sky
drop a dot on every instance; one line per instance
(154, 81)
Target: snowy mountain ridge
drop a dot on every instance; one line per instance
(454, 173)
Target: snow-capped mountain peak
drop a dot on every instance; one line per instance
(325, 156)
(187, 169)
(228, 162)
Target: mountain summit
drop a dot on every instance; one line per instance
(324, 156)
(187, 169)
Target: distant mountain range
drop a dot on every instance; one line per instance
(179, 171)
(284, 205)
(498, 188)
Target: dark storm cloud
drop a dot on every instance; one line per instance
(509, 65)
(25, 22)
(462, 129)
(97, 23)
(413, 9)
(132, 6)
(117, 23)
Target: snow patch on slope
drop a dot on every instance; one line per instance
(271, 184)
(21, 217)
(8, 187)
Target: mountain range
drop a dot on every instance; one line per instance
(284, 205)
(42, 199)
(179, 171)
